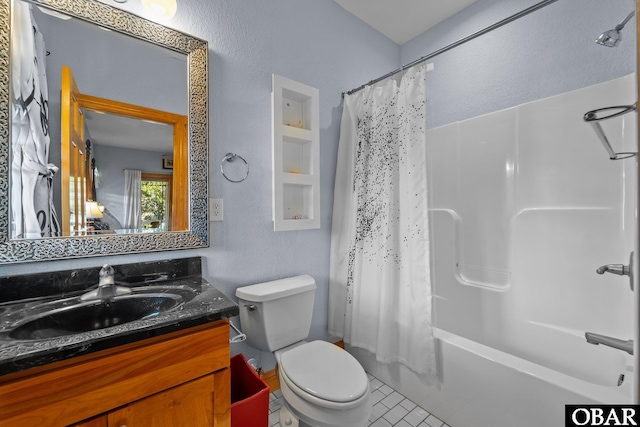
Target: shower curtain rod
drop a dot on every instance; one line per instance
(470, 37)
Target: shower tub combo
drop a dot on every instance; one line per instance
(525, 207)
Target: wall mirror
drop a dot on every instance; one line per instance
(126, 114)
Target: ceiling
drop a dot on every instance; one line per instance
(402, 20)
(125, 132)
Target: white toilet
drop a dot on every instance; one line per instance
(322, 385)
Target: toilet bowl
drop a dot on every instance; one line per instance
(322, 385)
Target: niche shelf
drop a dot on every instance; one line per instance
(296, 151)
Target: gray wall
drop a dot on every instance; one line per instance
(111, 163)
(545, 53)
(113, 65)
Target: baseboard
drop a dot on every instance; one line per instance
(271, 377)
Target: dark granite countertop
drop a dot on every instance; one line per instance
(22, 296)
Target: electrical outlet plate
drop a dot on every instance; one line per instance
(215, 210)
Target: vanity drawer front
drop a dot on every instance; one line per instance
(79, 391)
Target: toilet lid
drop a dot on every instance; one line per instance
(325, 371)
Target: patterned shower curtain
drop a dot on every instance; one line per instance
(33, 213)
(380, 287)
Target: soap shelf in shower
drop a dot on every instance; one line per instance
(592, 117)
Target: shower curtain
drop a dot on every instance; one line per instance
(132, 199)
(380, 288)
(33, 213)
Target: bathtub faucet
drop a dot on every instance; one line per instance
(619, 269)
(609, 341)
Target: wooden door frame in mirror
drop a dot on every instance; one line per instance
(179, 123)
(54, 248)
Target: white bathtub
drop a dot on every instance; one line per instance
(483, 387)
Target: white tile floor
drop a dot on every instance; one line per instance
(390, 408)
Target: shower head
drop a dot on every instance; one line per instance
(611, 38)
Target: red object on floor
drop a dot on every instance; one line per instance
(249, 395)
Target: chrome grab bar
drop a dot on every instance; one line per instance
(616, 343)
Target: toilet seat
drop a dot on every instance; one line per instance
(324, 374)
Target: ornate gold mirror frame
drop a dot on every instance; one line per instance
(53, 248)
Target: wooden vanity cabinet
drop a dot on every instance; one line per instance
(178, 379)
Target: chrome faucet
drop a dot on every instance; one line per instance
(620, 270)
(609, 341)
(107, 287)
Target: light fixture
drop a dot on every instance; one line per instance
(162, 8)
(92, 210)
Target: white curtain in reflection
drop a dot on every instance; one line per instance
(32, 211)
(380, 286)
(132, 199)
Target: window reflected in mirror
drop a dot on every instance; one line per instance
(156, 202)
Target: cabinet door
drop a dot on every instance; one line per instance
(222, 398)
(190, 404)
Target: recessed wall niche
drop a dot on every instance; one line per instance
(295, 145)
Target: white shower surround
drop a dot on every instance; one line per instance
(516, 290)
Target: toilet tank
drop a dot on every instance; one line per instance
(277, 314)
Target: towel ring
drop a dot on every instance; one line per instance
(230, 157)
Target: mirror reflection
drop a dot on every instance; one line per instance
(111, 159)
(98, 130)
